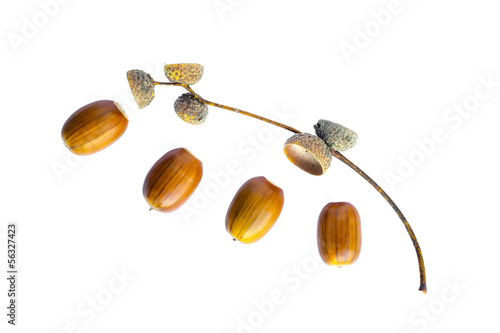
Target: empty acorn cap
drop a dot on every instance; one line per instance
(189, 109)
(184, 73)
(309, 153)
(335, 135)
(142, 86)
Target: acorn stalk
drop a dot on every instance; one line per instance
(316, 163)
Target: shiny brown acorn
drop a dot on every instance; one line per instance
(172, 180)
(339, 234)
(94, 127)
(254, 210)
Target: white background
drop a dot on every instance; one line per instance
(77, 230)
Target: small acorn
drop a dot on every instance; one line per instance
(172, 180)
(94, 127)
(142, 86)
(184, 73)
(335, 135)
(339, 234)
(309, 153)
(254, 210)
(189, 109)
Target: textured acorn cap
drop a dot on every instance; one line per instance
(189, 109)
(184, 73)
(309, 153)
(335, 135)
(142, 87)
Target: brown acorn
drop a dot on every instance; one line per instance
(335, 135)
(184, 73)
(309, 153)
(94, 127)
(142, 87)
(189, 109)
(339, 234)
(254, 210)
(172, 180)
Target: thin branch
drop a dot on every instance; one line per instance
(229, 108)
(423, 285)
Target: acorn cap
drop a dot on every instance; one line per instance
(309, 153)
(189, 109)
(184, 73)
(335, 135)
(142, 86)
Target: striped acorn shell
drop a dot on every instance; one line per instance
(184, 73)
(142, 87)
(309, 153)
(254, 210)
(339, 234)
(172, 180)
(335, 135)
(94, 127)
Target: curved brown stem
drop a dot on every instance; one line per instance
(423, 285)
(229, 108)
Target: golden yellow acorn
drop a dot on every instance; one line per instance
(142, 87)
(339, 234)
(94, 127)
(309, 153)
(254, 210)
(184, 73)
(172, 180)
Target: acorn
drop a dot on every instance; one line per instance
(335, 135)
(172, 180)
(94, 127)
(309, 153)
(339, 234)
(184, 73)
(254, 210)
(142, 86)
(189, 109)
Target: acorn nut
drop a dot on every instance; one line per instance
(335, 135)
(184, 73)
(142, 86)
(309, 153)
(172, 180)
(189, 109)
(94, 127)
(339, 234)
(254, 210)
